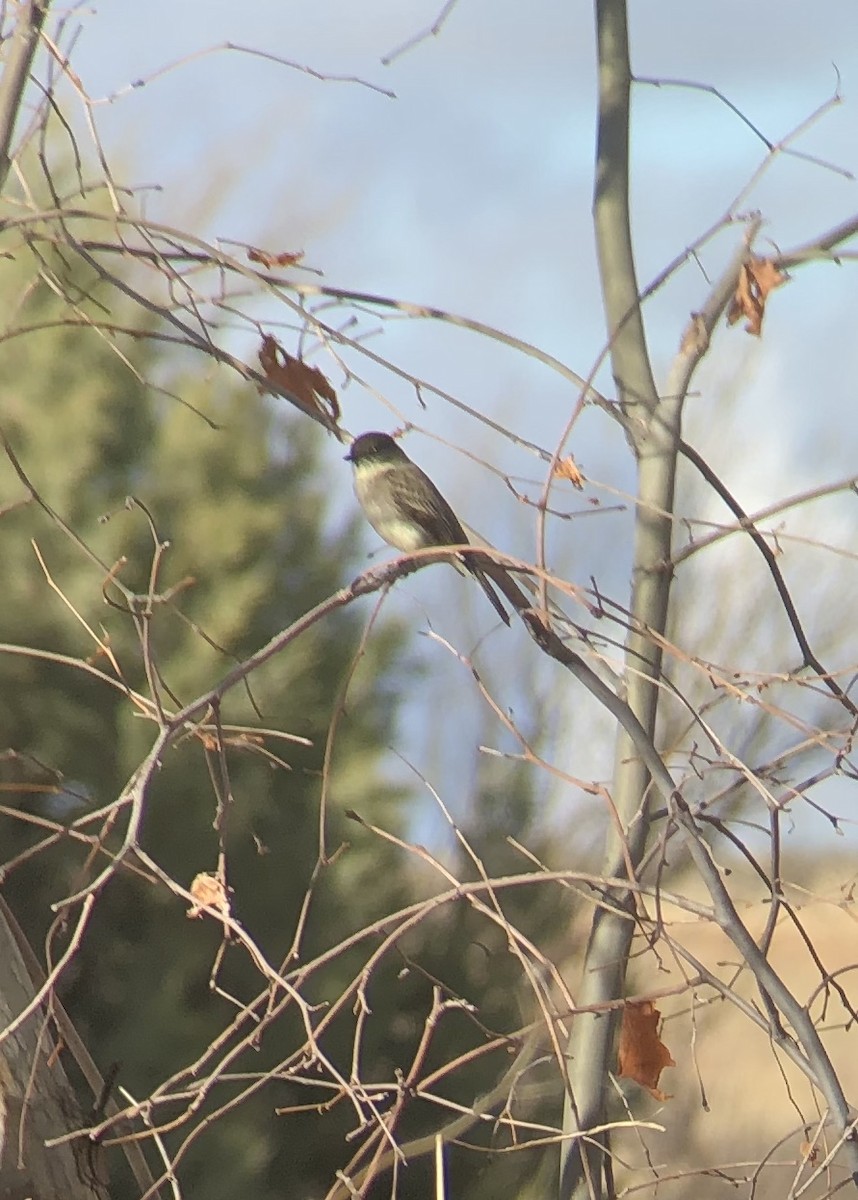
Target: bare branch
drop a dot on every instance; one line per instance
(24, 42)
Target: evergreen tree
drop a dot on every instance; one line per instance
(241, 498)
(227, 494)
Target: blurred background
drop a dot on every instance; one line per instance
(453, 171)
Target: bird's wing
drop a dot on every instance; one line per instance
(420, 508)
(427, 508)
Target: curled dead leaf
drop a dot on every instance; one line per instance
(642, 1055)
(208, 891)
(267, 258)
(809, 1153)
(306, 385)
(567, 468)
(757, 277)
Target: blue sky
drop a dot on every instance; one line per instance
(472, 191)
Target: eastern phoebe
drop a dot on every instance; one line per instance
(405, 508)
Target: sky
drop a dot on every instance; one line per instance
(471, 190)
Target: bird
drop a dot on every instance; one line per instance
(405, 508)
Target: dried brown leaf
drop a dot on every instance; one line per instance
(809, 1153)
(306, 385)
(567, 468)
(757, 277)
(287, 258)
(642, 1055)
(207, 890)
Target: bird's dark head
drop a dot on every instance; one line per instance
(378, 447)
